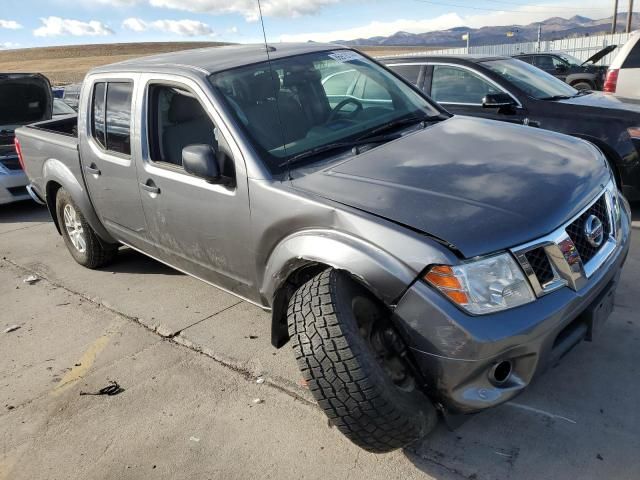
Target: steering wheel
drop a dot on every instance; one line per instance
(336, 110)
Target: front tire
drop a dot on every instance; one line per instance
(81, 240)
(582, 86)
(338, 330)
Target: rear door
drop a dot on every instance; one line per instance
(108, 162)
(460, 90)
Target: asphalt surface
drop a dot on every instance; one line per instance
(187, 358)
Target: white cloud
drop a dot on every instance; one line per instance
(10, 24)
(135, 24)
(186, 28)
(247, 8)
(8, 45)
(55, 26)
(520, 16)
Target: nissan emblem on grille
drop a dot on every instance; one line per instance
(594, 231)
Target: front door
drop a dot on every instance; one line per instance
(108, 162)
(461, 91)
(195, 226)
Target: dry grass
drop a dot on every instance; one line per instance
(70, 64)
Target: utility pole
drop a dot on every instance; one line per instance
(614, 23)
(540, 35)
(630, 16)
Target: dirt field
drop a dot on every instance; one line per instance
(69, 64)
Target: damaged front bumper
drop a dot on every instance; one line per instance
(471, 363)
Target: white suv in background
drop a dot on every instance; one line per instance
(623, 76)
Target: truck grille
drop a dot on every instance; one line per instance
(540, 264)
(566, 257)
(575, 230)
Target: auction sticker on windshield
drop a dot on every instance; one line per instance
(344, 56)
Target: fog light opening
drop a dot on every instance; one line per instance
(501, 372)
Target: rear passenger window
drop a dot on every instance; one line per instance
(119, 97)
(97, 119)
(111, 116)
(633, 59)
(409, 72)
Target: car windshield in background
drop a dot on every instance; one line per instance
(299, 105)
(570, 59)
(531, 80)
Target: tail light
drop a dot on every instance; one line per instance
(16, 142)
(611, 81)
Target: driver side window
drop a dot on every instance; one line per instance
(458, 85)
(177, 120)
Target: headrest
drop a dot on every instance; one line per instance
(184, 109)
(263, 86)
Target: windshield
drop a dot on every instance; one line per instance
(61, 108)
(311, 101)
(570, 59)
(530, 79)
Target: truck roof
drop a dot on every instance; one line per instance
(213, 59)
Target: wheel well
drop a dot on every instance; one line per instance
(51, 191)
(583, 80)
(609, 153)
(297, 278)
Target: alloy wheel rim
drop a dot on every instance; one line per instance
(74, 228)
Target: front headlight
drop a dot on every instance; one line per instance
(483, 286)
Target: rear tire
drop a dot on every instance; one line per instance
(372, 399)
(81, 240)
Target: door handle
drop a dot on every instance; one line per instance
(92, 169)
(150, 187)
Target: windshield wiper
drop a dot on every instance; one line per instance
(557, 97)
(400, 122)
(338, 146)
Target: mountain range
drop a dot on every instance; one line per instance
(554, 28)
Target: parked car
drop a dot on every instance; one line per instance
(580, 75)
(416, 260)
(506, 89)
(623, 76)
(71, 95)
(24, 98)
(61, 108)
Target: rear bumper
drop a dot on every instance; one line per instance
(13, 187)
(457, 353)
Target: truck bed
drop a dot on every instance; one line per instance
(49, 142)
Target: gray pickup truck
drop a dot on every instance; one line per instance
(420, 263)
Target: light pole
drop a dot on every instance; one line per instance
(630, 16)
(614, 22)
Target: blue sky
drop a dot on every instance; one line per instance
(31, 23)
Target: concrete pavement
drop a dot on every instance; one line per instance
(132, 322)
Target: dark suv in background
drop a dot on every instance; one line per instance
(580, 75)
(506, 89)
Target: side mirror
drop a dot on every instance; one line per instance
(561, 68)
(498, 100)
(201, 161)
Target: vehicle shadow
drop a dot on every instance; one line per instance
(21, 212)
(131, 261)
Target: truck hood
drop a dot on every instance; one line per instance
(481, 186)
